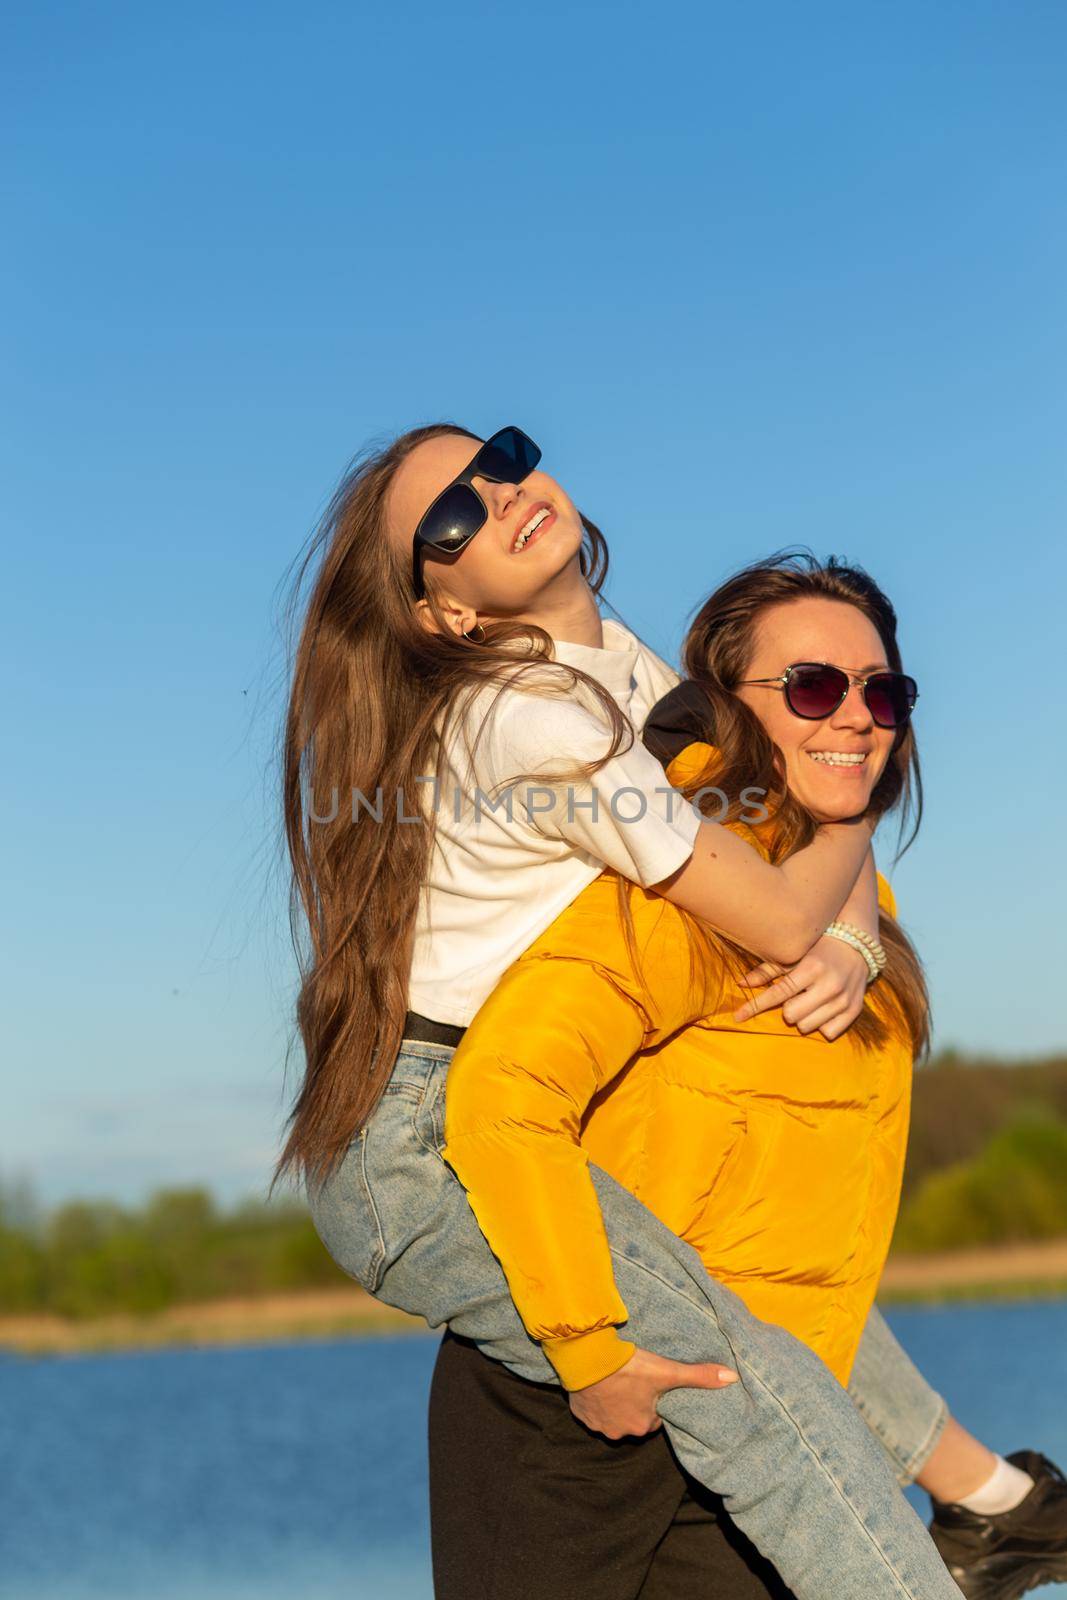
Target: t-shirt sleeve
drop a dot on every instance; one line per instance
(627, 816)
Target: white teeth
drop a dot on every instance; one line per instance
(531, 527)
(839, 758)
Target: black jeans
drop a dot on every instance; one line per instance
(527, 1504)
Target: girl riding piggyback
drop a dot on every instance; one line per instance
(452, 650)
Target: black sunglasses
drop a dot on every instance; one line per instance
(454, 517)
(813, 689)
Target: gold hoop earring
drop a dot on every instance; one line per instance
(481, 634)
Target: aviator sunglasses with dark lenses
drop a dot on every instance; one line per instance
(452, 520)
(813, 689)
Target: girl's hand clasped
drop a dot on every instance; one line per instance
(824, 991)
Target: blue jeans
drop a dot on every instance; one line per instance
(895, 1400)
(799, 1471)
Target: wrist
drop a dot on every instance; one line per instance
(864, 943)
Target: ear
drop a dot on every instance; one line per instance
(456, 617)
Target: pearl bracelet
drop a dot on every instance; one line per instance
(868, 946)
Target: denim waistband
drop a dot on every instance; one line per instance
(418, 1062)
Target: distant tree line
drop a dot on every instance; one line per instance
(987, 1157)
(959, 1103)
(90, 1257)
(987, 1164)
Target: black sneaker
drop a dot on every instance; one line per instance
(999, 1558)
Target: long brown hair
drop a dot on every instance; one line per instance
(716, 655)
(371, 692)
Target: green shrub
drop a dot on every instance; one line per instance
(22, 1273)
(1015, 1189)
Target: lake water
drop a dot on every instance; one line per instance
(300, 1470)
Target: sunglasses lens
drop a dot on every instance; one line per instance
(508, 457)
(891, 697)
(453, 518)
(815, 691)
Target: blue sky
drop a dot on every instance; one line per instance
(752, 276)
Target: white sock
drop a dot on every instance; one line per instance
(1003, 1490)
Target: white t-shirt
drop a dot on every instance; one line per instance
(496, 880)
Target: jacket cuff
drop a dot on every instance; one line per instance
(584, 1358)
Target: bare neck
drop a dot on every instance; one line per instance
(568, 612)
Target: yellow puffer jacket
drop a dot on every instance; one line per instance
(778, 1156)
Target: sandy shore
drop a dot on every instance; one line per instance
(996, 1271)
(1009, 1271)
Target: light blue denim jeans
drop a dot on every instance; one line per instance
(895, 1400)
(799, 1471)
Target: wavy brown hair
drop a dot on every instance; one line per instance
(716, 655)
(371, 691)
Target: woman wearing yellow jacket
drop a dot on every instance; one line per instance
(625, 1039)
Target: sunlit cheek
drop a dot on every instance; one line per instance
(881, 762)
(798, 768)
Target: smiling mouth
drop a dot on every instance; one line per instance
(847, 760)
(537, 522)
